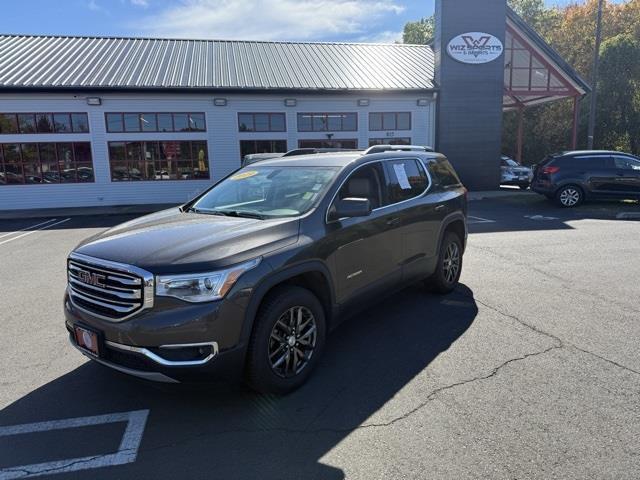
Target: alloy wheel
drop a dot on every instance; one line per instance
(569, 197)
(451, 262)
(292, 341)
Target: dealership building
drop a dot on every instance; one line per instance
(98, 121)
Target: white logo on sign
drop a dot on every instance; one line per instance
(475, 47)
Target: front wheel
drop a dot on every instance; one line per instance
(447, 274)
(287, 341)
(569, 196)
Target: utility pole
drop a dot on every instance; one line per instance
(594, 79)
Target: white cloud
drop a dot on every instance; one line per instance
(269, 19)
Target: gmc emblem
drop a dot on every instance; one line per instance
(94, 279)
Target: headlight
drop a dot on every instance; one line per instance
(202, 287)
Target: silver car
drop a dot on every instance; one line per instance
(513, 173)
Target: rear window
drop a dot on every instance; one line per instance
(443, 173)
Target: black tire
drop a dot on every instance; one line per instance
(261, 375)
(443, 280)
(523, 186)
(569, 196)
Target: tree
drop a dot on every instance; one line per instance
(619, 94)
(421, 32)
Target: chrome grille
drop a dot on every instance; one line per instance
(108, 290)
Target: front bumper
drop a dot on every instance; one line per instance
(151, 344)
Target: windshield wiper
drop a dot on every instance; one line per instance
(235, 213)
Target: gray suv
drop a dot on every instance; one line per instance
(247, 279)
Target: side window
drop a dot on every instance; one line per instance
(366, 182)
(589, 163)
(627, 163)
(444, 173)
(407, 179)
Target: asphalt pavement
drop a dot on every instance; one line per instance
(530, 369)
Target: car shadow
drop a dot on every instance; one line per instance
(223, 431)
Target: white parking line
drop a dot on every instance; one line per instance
(127, 452)
(36, 230)
(28, 228)
(472, 219)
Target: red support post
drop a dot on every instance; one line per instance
(576, 113)
(520, 134)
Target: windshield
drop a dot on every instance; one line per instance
(509, 162)
(266, 192)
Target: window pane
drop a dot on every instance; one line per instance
(82, 152)
(48, 152)
(304, 122)
(627, 163)
(80, 122)
(406, 180)
(134, 151)
(388, 121)
(44, 123)
(32, 173)
(148, 122)
(131, 122)
(170, 150)
(197, 122)
(181, 122)
(62, 122)
(280, 146)
(278, 122)
(185, 150)
(334, 122)
(8, 123)
(65, 155)
(151, 151)
(116, 152)
(319, 123)
(375, 121)
(350, 122)
(114, 122)
(200, 161)
(403, 121)
(27, 123)
(50, 171)
(390, 141)
(245, 122)
(261, 122)
(165, 122)
(11, 153)
(84, 172)
(29, 152)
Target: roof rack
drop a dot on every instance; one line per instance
(311, 151)
(397, 148)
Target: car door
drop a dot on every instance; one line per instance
(407, 184)
(365, 249)
(597, 172)
(627, 174)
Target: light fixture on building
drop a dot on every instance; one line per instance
(422, 102)
(94, 101)
(220, 102)
(290, 102)
(363, 102)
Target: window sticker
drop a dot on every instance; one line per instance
(308, 195)
(243, 175)
(401, 175)
(317, 187)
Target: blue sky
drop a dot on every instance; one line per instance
(313, 20)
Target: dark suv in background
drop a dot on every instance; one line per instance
(570, 178)
(250, 276)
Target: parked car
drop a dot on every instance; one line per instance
(249, 277)
(570, 178)
(513, 173)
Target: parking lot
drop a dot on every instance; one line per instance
(531, 369)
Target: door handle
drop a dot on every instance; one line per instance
(393, 221)
(440, 207)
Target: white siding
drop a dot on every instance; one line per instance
(222, 136)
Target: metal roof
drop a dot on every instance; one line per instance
(55, 62)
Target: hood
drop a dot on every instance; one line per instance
(171, 241)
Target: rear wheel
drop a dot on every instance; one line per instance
(287, 341)
(569, 196)
(447, 274)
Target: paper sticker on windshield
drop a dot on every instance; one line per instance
(308, 195)
(401, 175)
(317, 187)
(243, 175)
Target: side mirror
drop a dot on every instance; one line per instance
(351, 207)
